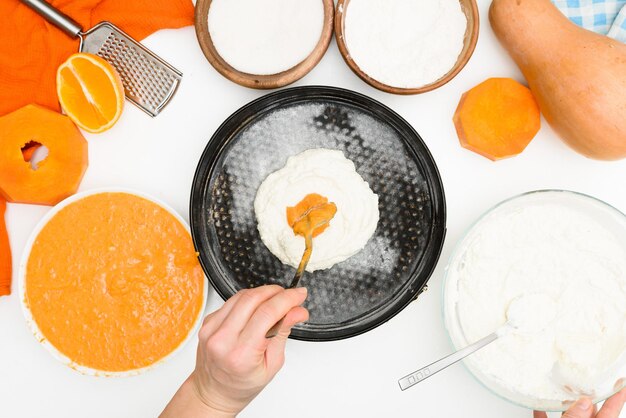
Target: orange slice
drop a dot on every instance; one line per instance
(90, 92)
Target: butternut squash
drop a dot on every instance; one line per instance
(58, 175)
(578, 77)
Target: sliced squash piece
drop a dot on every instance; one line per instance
(59, 174)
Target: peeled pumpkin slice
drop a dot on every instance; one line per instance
(497, 119)
(58, 175)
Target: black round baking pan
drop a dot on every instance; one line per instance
(372, 286)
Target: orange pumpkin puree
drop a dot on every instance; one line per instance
(311, 215)
(309, 218)
(113, 282)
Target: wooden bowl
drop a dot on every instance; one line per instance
(258, 81)
(470, 9)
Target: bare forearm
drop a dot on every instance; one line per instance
(187, 403)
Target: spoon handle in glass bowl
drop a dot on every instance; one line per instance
(425, 372)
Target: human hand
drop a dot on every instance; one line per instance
(583, 408)
(235, 361)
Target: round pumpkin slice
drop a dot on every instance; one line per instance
(113, 283)
(58, 175)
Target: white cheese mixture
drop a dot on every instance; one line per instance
(405, 43)
(327, 173)
(569, 253)
(265, 36)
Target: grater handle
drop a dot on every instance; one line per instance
(55, 16)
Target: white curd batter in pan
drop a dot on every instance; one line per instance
(327, 173)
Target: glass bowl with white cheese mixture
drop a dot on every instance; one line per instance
(564, 253)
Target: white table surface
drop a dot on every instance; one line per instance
(350, 378)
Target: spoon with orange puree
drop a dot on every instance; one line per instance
(309, 218)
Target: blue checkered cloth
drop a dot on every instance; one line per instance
(607, 17)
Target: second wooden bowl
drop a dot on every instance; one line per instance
(257, 81)
(470, 9)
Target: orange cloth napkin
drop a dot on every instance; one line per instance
(31, 49)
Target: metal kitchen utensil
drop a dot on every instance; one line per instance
(517, 318)
(306, 256)
(425, 372)
(296, 279)
(149, 82)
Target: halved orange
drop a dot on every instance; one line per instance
(90, 92)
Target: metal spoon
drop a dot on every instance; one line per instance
(425, 372)
(306, 256)
(528, 313)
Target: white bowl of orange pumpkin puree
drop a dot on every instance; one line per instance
(110, 283)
